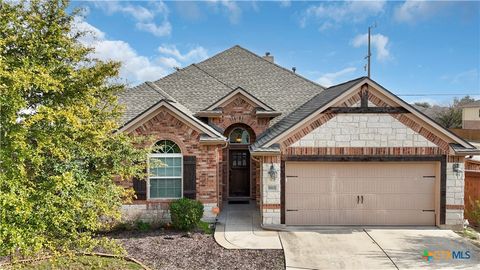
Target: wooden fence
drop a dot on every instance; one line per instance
(472, 186)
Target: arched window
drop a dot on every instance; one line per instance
(239, 135)
(165, 171)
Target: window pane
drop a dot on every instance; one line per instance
(239, 135)
(177, 161)
(166, 146)
(166, 188)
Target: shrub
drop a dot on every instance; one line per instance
(186, 213)
(473, 213)
(142, 226)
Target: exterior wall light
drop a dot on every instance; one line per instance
(273, 172)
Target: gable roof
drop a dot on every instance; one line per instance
(321, 102)
(181, 112)
(239, 90)
(199, 85)
(303, 111)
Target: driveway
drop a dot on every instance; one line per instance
(375, 248)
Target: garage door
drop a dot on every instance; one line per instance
(355, 193)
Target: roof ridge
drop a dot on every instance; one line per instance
(217, 79)
(277, 65)
(349, 81)
(159, 90)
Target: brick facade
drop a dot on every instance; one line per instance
(166, 126)
(240, 111)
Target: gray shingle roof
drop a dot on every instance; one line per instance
(200, 85)
(279, 88)
(138, 99)
(303, 111)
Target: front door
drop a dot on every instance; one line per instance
(239, 184)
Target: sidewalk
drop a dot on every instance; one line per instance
(238, 227)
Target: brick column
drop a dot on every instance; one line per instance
(455, 192)
(270, 191)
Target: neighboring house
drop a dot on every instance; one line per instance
(238, 127)
(471, 115)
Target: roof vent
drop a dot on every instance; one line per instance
(294, 69)
(269, 57)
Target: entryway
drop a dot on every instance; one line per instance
(239, 182)
(238, 227)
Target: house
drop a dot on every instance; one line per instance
(471, 115)
(238, 127)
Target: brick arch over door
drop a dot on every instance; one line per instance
(250, 131)
(240, 111)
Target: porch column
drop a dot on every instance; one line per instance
(455, 192)
(270, 190)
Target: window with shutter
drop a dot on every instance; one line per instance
(189, 177)
(165, 171)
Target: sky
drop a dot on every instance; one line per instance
(421, 50)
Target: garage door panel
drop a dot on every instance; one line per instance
(301, 201)
(394, 193)
(397, 202)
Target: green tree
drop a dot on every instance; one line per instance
(59, 154)
(452, 116)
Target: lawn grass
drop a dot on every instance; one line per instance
(204, 227)
(81, 262)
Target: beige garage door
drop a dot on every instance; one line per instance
(356, 193)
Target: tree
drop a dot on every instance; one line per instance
(452, 117)
(423, 104)
(58, 150)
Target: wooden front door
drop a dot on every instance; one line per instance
(239, 184)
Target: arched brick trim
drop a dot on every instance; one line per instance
(175, 139)
(250, 131)
(240, 111)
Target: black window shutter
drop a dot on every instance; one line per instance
(140, 188)
(189, 177)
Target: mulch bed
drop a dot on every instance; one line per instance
(174, 250)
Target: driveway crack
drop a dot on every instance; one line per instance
(384, 252)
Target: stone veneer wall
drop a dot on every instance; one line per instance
(165, 125)
(361, 130)
(270, 204)
(455, 192)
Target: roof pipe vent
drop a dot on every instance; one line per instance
(269, 57)
(294, 69)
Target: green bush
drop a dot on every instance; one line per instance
(142, 226)
(186, 213)
(473, 214)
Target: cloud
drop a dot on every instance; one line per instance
(336, 13)
(411, 11)
(285, 3)
(471, 75)
(158, 30)
(196, 54)
(145, 17)
(329, 79)
(230, 8)
(135, 68)
(379, 43)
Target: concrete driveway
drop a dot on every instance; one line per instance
(375, 248)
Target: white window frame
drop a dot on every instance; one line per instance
(156, 155)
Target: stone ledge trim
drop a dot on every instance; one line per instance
(271, 206)
(456, 207)
(387, 151)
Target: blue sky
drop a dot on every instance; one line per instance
(425, 48)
